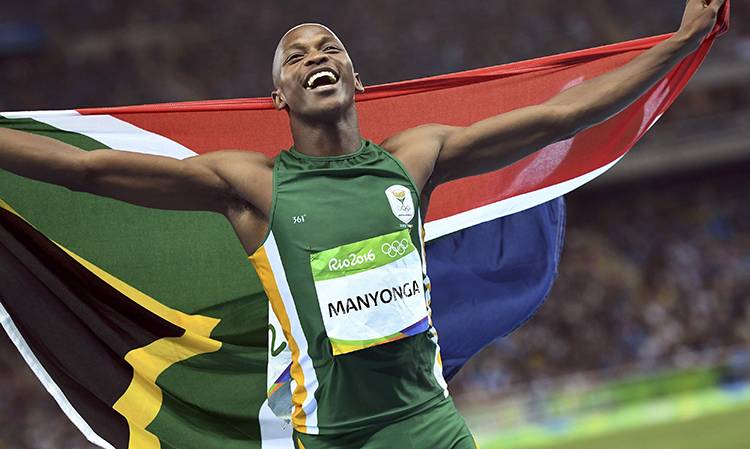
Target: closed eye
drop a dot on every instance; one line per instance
(293, 58)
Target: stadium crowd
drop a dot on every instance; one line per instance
(649, 274)
(114, 53)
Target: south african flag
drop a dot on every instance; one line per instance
(151, 330)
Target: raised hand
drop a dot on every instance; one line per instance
(699, 19)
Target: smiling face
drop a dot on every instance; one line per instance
(313, 74)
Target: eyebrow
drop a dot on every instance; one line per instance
(299, 46)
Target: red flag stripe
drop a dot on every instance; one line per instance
(458, 99)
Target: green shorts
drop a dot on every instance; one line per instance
(438, 428)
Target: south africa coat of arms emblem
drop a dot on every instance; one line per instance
(400, 200)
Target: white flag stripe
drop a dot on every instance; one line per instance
(49, 384)
(508, 206)
(110, 131)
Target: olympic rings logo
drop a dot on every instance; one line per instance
(395, 248)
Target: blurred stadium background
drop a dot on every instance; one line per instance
(645, 339)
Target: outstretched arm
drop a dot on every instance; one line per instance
(498, 141)
(198, 183)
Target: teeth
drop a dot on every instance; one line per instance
(320, 75)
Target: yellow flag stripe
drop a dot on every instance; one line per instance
(142, 400)
(199, 324)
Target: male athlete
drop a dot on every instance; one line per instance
(350, 288)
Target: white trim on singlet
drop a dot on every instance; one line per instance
(310, 404)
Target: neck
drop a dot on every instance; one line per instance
(326, 138)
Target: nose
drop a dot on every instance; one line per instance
(317, 57)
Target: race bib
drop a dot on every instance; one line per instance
(370, 292)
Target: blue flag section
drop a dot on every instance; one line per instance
(487, 280)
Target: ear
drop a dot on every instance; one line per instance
(278, 100)
(358, 86)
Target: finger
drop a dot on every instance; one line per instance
(717, 4)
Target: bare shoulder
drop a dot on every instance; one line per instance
(418, 149)
(421, 135)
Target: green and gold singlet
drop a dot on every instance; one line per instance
(343, 266)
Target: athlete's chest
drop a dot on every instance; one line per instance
(315, 215)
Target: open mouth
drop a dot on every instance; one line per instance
(321, 78)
